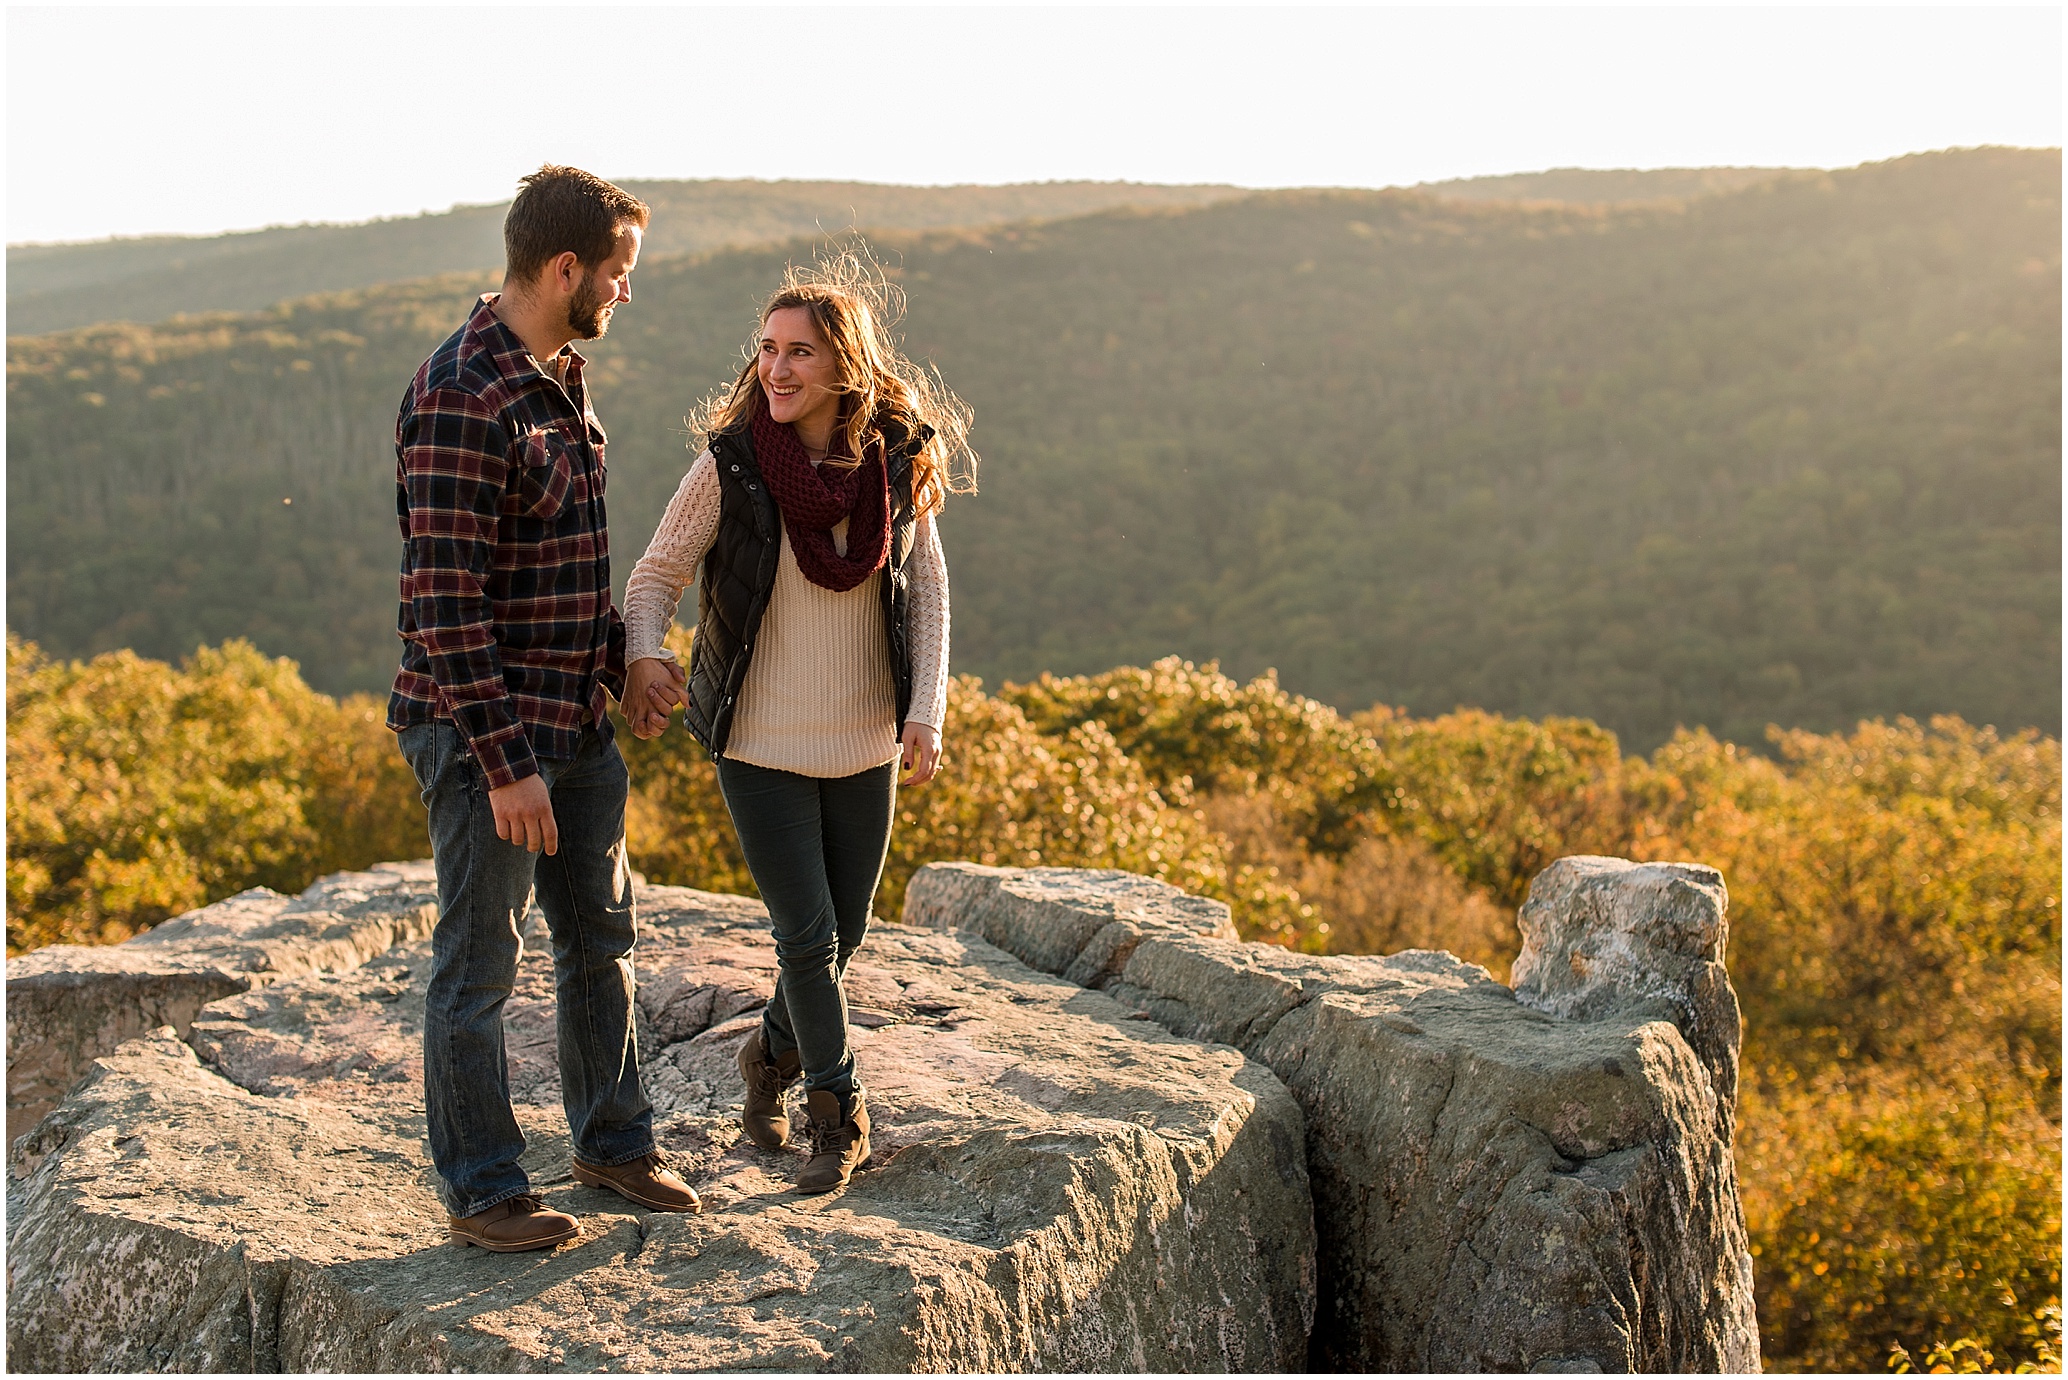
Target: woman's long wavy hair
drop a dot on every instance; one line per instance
(854, 305)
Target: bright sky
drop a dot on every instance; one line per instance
(130, 121)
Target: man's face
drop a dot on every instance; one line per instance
(604, 288)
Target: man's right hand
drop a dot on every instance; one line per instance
(524, 814)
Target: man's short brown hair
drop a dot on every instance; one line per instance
(561, 209)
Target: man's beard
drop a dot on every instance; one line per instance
(587, 310)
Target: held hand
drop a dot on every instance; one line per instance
(653, 687)
(524, 814)
(670, 689)
(922, 753)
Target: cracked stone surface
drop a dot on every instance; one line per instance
(1057, 1184)
(1603, 935)
(1080, 923)
(68, 1003)
(1065, 1178)
(1543, 1183)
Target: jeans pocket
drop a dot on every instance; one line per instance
(465, 766)
(440, 760)
(419, 747)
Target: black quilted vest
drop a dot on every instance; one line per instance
(739, 574)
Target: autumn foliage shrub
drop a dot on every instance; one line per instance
(1895, 904)
(1896, 940)
(1499, 799)
(136, 790)
(1895, 1209)
(1194, 729)
(1006, 794)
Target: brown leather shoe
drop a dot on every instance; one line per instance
(645, 1181)
(763, 1117)
(839, 1140)
(522, 1223)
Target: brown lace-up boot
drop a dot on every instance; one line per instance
(839, 1140)
(646, 1181)
(763, 1117)
(522, 1223)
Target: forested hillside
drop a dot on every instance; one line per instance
(1787, 454)
(61, 286)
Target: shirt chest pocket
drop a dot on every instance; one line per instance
(543, 476)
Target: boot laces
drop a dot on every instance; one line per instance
(828, 1137)
(769, 1077)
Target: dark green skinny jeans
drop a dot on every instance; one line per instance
(816, 847)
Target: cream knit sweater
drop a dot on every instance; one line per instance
(819, 698)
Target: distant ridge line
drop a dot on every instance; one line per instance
(153, 278)
(1486, 187)
(1609, 186)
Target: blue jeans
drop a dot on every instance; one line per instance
(816, 847)
(585, 891)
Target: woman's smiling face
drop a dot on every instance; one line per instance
(798, 373)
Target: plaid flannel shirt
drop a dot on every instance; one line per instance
(507, 623)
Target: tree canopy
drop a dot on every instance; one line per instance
(1785, 454)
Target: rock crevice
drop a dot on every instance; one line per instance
(1503, 1180)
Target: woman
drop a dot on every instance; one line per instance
(821, 655)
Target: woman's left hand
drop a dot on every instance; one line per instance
(922, 753)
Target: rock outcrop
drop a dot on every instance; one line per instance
(1537, 1179)
(1109, 1136)
(69, 1003)
(1602, 937)
(1057, 1183)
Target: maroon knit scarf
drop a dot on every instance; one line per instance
(813, 498)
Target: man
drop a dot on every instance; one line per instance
(510, 642)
